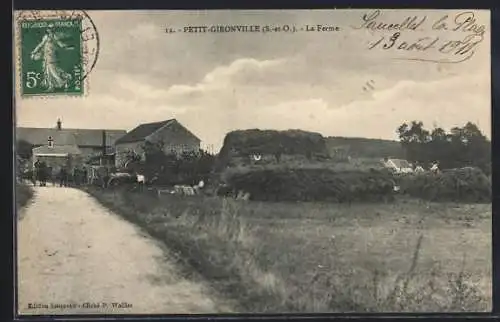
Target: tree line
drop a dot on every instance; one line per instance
(459, 147)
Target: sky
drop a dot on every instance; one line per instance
(214, 83)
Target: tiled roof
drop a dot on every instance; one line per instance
(398, 163)
(80, 137)
(57, 149)
(142, 131)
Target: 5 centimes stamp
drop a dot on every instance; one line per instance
(56, 52)
(51, 58)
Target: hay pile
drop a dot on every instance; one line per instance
(459, 185)
(313, 184)
(239, 145)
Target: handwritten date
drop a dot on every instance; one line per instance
(462, 49)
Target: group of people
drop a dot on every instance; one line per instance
(42, 173)
(434, 168)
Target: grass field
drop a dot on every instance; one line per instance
(409, 256)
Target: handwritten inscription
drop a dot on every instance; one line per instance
(370, 22)
(455, 38)
(464, 22)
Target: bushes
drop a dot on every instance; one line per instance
(171, 169)
(462, 185)
(24, 194)
(313, 184)
(275, 183)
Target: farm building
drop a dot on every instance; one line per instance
(58, 156)
(398, 165)
(173, 135)
(88, 141)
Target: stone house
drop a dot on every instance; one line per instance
(57, 156)
(58, 141)
(174, 137)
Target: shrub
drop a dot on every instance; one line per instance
(462, 185)
(24, 194)
(313, 184)
(171, 169)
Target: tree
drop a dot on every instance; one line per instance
(462, 146)
(413, 139)
(24, 149)
(476, 147)
(188, 167)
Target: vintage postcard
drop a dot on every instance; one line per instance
(257, 161)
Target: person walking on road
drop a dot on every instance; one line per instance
(36, 172)
(63, 177)
(42, 173)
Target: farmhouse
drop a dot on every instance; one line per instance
(56, 144)
(57, 156)
(174, 137)
(398, 165)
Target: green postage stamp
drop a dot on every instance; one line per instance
(51, 57)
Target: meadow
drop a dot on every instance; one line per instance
(406, 256)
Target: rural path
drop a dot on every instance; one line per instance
(73, 251)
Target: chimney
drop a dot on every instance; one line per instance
(59, 124)
(103, 142)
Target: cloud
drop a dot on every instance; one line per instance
(219, 103)
(377, 117)
(214, 83)
(241, 70)
(223, 83)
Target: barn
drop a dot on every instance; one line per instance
(173, 135)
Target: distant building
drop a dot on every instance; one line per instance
(58, 156)
(398, 165)
(88, 141)
(56, 144)
(173, 135)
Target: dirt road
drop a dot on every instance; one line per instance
(73, 252)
